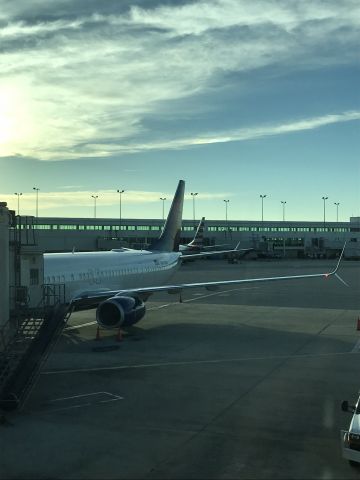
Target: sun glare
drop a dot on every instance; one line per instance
(15, 123)
(7, 120)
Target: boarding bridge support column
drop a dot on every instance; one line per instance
(4, 265)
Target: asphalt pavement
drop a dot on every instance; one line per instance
(246, 382)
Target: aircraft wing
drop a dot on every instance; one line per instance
(190, 256)
(93, 298)
(209, 247)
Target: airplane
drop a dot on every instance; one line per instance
(197, 243)
(118, 282)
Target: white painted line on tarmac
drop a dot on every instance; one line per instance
(71, 407)
(117, 397)
(111, 400)
(356, 347)
(198, 362)
(88, 404)
(213, 294)
(74, 327)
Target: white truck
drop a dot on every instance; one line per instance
(350, 439)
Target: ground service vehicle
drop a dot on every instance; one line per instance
(351, 439)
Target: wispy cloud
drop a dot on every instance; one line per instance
(238, 135)
(70, 187)
(280, 129)
(18, 30)
(84, 83)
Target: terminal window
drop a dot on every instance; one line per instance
(34, 276)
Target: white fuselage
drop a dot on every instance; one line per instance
(111, 270)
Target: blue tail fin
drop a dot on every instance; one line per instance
(170, 236)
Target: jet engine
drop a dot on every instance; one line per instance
(120, 311)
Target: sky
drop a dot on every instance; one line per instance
(238, 98)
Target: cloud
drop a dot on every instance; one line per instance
(21, 29)
(70, 187)
(83, 81)
(239, 135)
(280, 129)
(106, 198)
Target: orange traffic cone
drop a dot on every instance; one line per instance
(358, 324)
(119, 335)
(98, 334)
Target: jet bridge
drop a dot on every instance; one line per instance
(4, 270)
(32, 315)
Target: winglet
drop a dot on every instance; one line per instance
(198, 239)
(338, 263)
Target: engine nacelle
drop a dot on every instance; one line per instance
(120, 311)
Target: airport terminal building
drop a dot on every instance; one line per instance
(273, 238)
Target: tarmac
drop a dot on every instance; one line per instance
(246, 382)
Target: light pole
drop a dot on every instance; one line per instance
(120, 192)
(37, 200)
(262, 209)
(193, 194)
(226, 213)
(163, 207)
(18, 201)
(283, 202)
(337, 210)
(324, 198)
(94, 197)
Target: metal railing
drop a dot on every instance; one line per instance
(35, 331)
(53, 294)
(7, 331)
